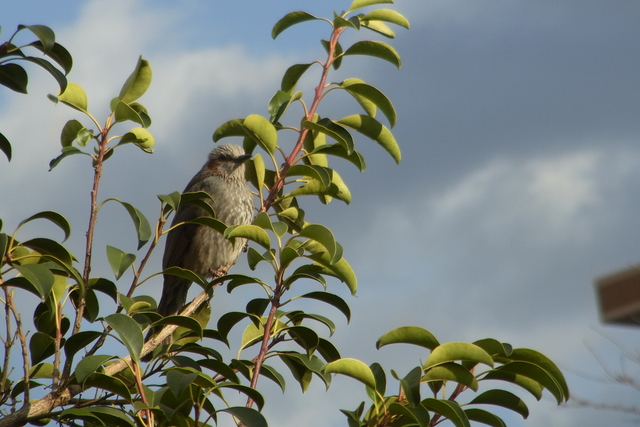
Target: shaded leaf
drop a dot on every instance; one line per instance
(289, 20)
(449, 409)
(5, 146)
(451, 372)
(14, 77)
(90, 364)
(39, 276)
(484, 417)
(375, 96)
(502, 398)
(292, 76)
(331, 299)
(247, 416)
(108, 383)
(119, 261)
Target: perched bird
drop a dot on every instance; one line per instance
(199, 248)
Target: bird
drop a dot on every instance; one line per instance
(199, 248)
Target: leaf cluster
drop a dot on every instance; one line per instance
(15, 77)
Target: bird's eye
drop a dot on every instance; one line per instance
(224, 157)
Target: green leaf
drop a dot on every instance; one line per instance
(89, 365)
(376, 49)
(292, 76)
(140, 137)
(46, 36)
(289, 20)
(178, 380)
(108, 383)
(494, 347)
(41, 346)
(14, 77)
(380, 28)
(39, 276)
(186, 322)
(363, 90)
(411, 386)
(254, 394)
(137, 83)
(451, 372)
(324, 236)
(71, 132)
(143, 228)
(502, 398)
(452, 351)
(252, 232)
(261, 131)
(352, 368)
(230, 128)
(5, 146)
(332, 130)
(449, 409)
(98, 415)
(484, 417)
(59, 54)
(339, 151)
(409, 335)
(538, 374)
(247, 416)
(66, 152)
(539, 359)
(77, 342)
(129, 333)
(74, 97)
(186, 274)
(119, 261)
(359, 4)
(530, 385)
(373, 129)
(55, 218)
(386, 15)
(341, 269)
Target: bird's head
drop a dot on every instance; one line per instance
(227, 160)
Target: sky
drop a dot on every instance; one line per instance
(519, 184)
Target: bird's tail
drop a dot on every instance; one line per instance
(174, 296)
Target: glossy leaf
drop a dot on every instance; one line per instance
(453, 351)
(522, 381)
(538, 374)
(353, 368)
(70, 133)
(339, 151)
(137, 83)
(261, 131)
(494, 347)
(409, 335)
(373, 129)
(341, 270)
(451, 372)
(119, 261)
(502, 398)
(376, 49)
(66, 152)
(252, 232)
(129, 333)
(359, 4)
(90, 364)
(539, 359)
(331, 299)
(59, 54)
(39, 276)
(363, 90)
(332, 130)
(289, 20)
(186, 274)
(380, 28)
(386, 15)
(48, 66)
(230, 128)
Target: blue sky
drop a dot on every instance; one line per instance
(518, 187)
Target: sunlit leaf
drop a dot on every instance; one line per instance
(374, 95)
(229, 128)
(359, 4)
(451, 372)
(453, 351)
(252, 232)
(373, 129)
(137, 83)
(74, 97)
(386, 15)
(261, 131)
(352, 368)
(129, 333)
(376, 49)
(409, 335)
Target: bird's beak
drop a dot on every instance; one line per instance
(243, 158)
